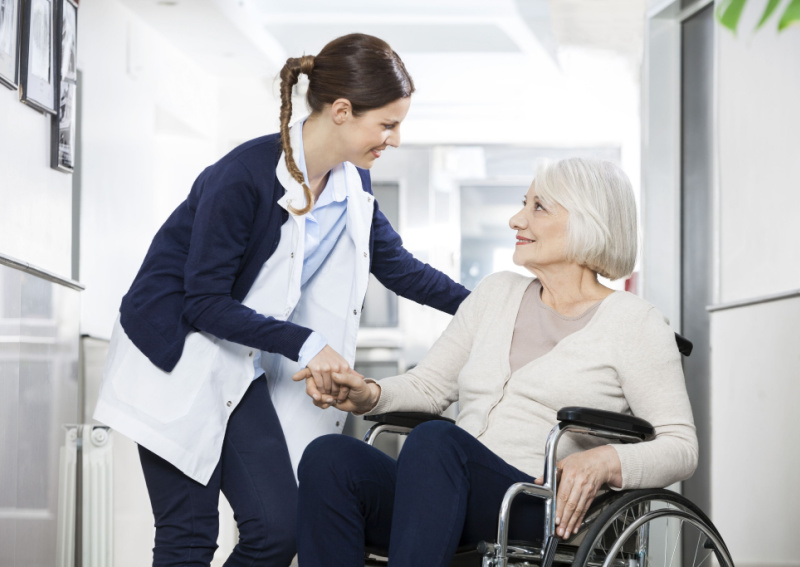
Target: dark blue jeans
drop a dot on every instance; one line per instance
(255, 474)
(444, 490)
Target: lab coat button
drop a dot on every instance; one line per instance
(337, 424)
(365, 254)
(355, 312)
(229, 404)
(291, 255)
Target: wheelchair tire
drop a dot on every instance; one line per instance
(670, 516)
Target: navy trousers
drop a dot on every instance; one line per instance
(444, 490)
(255, 474)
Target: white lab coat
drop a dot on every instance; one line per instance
(182, 415)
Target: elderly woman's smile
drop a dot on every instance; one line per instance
(541, 232)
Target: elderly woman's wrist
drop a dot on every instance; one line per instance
(375, 394)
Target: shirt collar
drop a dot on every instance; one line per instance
(335, 189)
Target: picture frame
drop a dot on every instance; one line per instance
(9, 43)
(62, 138)
(37, 76)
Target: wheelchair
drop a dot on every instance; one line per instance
(630, 528)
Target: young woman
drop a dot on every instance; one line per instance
(261, 272)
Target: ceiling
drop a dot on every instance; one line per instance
(254, 37)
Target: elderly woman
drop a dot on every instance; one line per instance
(518, 349)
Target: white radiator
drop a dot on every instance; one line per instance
(86, 498)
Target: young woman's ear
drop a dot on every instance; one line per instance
(341, 110)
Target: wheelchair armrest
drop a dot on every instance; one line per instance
(608, 420)
(408, 419)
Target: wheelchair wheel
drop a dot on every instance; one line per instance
(653, 527)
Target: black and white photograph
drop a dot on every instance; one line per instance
(37, 77)
(63, 135)
(9, 42)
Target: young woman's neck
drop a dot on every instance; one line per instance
(319, 148)
(570, 289)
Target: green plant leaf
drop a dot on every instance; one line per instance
(729, 12)
(790, 16)
(771, 5)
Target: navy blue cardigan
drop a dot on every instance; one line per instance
(206, 256)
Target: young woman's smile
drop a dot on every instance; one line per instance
(366, 136)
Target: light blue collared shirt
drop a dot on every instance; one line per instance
(325, 223)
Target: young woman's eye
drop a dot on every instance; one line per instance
(389, 126)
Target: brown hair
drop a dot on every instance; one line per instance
(358, 67)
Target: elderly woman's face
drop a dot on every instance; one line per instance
(541, 233)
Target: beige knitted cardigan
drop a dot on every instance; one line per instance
(624, 360)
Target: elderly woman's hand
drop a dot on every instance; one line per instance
(580, 476)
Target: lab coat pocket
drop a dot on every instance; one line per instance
(166, 396)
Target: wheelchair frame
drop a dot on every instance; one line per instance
(580, 548)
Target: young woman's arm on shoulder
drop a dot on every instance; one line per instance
(397, 269)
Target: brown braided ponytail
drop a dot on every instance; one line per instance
(289, 76)
(358, 67)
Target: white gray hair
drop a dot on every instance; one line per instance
(602, 232)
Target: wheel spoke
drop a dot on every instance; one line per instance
(703, 561)
(697, 547)
(677, 540)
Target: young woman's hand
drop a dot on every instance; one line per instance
(580, 476)
(320, 369)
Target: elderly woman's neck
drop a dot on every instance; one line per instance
(571, 290)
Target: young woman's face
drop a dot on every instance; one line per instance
(366, 136)
(541, 233)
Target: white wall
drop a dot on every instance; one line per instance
(756, 387)
(755, 356)
(36, 210)
(149, 127)
(759, 147)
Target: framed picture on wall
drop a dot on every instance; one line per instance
(37, 77)
(62, 140)
(9, 42)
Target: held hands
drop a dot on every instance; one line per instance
(360, 395)
(579, 477)
(319, 371)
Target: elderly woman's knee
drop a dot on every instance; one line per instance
(328, 454)
(432, 439)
